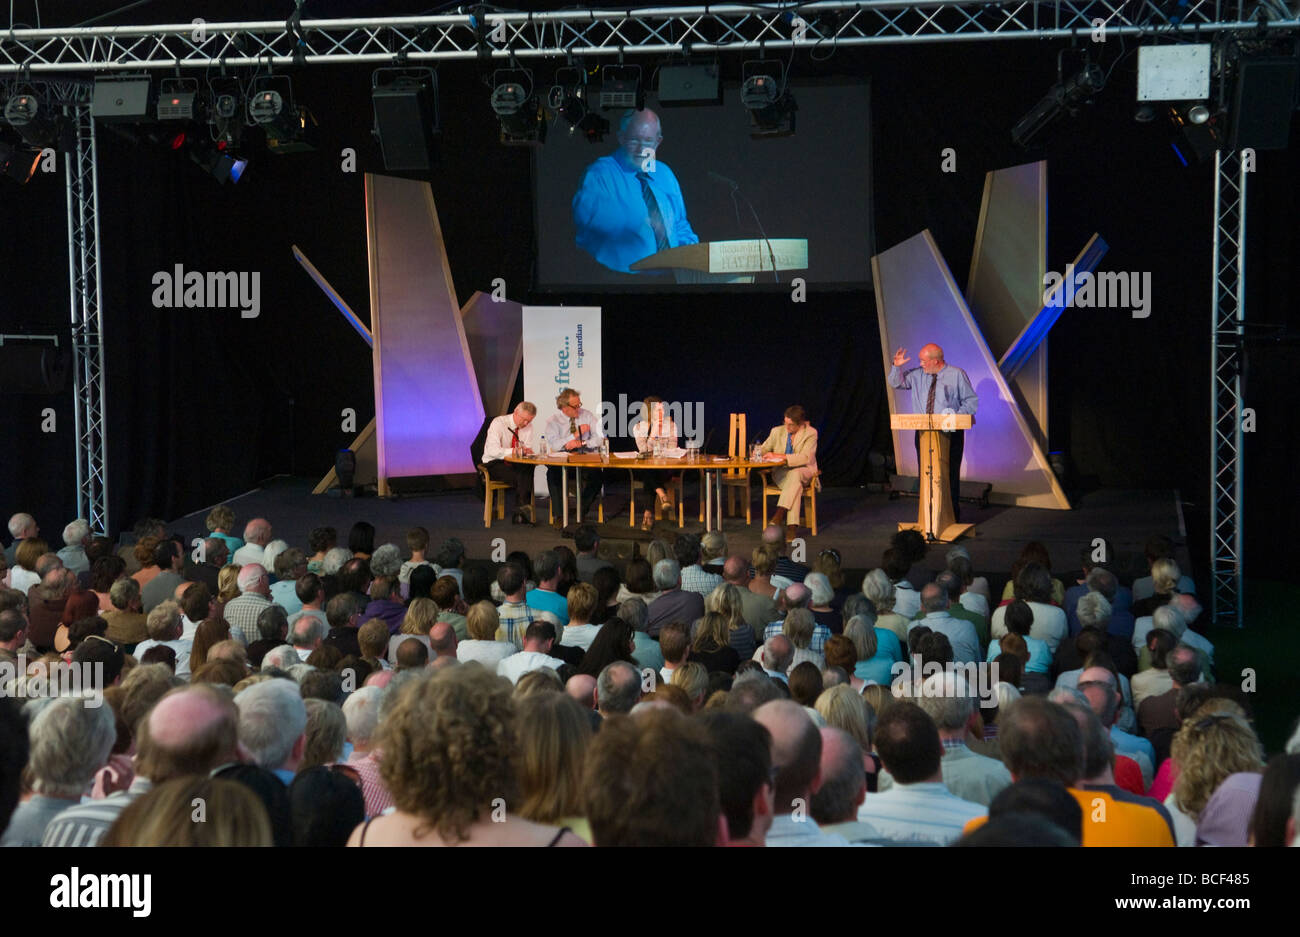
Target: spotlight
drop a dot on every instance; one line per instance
(620, 88)
(215, 161)
(176, 98)
(1064, 97)
(570, 98)
(523, 122)
(18, 164)
(764, 93)
(34, 121)
(1196, 138)
(284, 123)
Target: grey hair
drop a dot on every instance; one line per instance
(1170, 619)
(400, 681)
(1068, 696)
(1113, 698)
(308, 634)
(272, 718)
(667, 574)
(1102, 580)
(163, 621)
(546, 565)
(299, 671)
(76, 532)
(386, 561)
(799, 626)
(946, 699)
(70, 741)
(1006, 694)
(282, 657)
(633, 611)
(856, 605)
(778, 663)
(326, 729)
(879, 591)
(270, 552)
(18, 523)
(863, 635)
(820, 588)
(334, 559)
(361, 710)
(842, 781)
(1093, 610)
(615, 693)
(123, 591)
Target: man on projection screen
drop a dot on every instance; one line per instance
(629, 205)
(938, 387)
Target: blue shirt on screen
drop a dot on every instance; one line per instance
(609, 211)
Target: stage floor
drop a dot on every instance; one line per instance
(856, 522)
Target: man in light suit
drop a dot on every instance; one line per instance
(796, 441)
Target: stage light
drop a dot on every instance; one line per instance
(764, 93)
(274, 111)
(34, 120)
(570, 98)
(1198, 138)
(18, 164)
(405, 105)
(1145, 113)
(1197, 113)
(1064, 97)
(177, 98)
(620, 88)
(523, 123)
(219, 164)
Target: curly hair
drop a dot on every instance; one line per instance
(449, 746)
(1210, 746)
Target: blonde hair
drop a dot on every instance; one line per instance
(1210, 746)
(228, 583)
(482, 621)
(844, 708)
(582, 599)
(694, 680)
(220, 518)
(553, 735)
(880, 698)
(725, 600)
(420, 617)
(713, 633)
(1164, 576)
(799, 626)
(165, 816)
(764, 559)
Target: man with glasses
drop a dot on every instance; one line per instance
(574, 429)
(630, 204)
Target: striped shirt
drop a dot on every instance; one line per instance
(85, 824)
(373, 789)
(515, 619)
(697, 579)
(821, 634)
(925, 812)
(241, 613)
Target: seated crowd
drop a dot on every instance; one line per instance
(372, 695)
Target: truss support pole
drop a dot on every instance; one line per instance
(87, 320)
(1227, 357)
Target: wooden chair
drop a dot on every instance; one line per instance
(809, 498)
(497, 490)
(733, 479)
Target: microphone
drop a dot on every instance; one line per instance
(724, 180)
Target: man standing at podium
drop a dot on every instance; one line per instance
(629, 205)
(938, 387)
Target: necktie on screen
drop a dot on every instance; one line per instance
(789, 444)
(573, 426)
(929, 401)
(652, 210)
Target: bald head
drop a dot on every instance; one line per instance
(253, 578)
(442, 639)
(934, 597)
(844, 778)
(778, 652)
(796, 595)
(774, 535)
(258, 531)
(796, 750)
(189, 731)
(582, 687)
(736, 570)
(931, 356)
(639, 135)
(1098, 685)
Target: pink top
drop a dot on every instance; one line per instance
(1164, 781)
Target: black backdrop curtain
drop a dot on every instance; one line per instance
(202, 403)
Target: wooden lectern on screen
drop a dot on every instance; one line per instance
(935, 517)
(728, 261)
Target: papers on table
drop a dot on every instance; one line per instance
(674, 453)
(625, 455)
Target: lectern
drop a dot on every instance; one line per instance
(728, 261)
(935, 517)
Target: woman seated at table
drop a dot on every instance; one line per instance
(657, 427)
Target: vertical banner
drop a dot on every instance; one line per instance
(561, 349)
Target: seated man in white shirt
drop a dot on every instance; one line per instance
(797, 752)
(507, 435)
(959, 632)
(257, 534)
(536, 654)
(948, 700)
(574, 430)
(843, 788)
(165, 626)
(308, 633)
(918, 808)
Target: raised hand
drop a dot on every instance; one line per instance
(900, 357)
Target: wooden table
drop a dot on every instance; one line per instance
(709, 467)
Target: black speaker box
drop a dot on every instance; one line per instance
(1264, 102)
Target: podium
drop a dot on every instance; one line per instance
(728, 261)
(935, 517)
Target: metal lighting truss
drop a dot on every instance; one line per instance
(592, 32)
(1226, 358)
